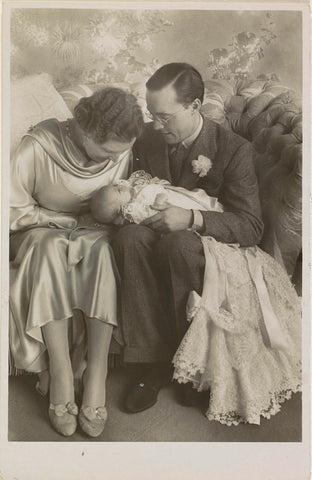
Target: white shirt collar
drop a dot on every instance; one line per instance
(187, 142)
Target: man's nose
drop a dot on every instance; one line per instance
(157, 125)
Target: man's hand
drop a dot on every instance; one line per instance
(169, 219)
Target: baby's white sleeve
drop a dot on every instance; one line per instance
(193, 199)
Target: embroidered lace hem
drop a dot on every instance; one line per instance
(194, 376)
(234, 418)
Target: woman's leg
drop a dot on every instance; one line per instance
(94, 379)
(62, 384)
(43, 384)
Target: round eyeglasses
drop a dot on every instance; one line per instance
(162, 120)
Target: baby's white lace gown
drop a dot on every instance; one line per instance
(244, 339)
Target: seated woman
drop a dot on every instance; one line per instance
(244, 342)
(63, 265)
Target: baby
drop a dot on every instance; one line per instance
(132, 200)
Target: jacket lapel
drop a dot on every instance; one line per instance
(157, 157)
(206, 145)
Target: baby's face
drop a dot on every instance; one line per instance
(108, 201)
(119, 194)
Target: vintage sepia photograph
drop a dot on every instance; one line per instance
(155, 228)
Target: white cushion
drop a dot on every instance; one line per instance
(34, 99)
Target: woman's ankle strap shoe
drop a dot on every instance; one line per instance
(92, 420)
(64, 418)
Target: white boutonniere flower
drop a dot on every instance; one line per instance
(201, 165)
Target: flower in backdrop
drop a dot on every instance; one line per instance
(201, 165)
(146, 43)
(38, 35)
(247, 41)
(66, 44)
(106, 37)
(217, 55)
(246, 49)
(108, 44)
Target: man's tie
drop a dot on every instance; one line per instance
(177, 155)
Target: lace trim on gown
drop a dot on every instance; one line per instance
(228, 352)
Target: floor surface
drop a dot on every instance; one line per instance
(167, 421)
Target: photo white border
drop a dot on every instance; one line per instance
(157, 460)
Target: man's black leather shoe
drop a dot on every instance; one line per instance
(144, 393)
(141, 397)
(189, 396)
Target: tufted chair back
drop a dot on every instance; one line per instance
(268, 114)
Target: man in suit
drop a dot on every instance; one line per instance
(162, 259)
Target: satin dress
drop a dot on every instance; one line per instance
(62, 265)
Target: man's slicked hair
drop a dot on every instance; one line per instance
(185, 79)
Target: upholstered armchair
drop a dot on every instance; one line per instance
(269, 116)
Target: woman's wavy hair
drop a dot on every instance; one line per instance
(110, 111)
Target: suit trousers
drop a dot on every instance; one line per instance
(157, 274)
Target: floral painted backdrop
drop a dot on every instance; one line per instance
(88, 46)
(236, 61)
(113, 46)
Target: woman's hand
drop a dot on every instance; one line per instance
(169, 219)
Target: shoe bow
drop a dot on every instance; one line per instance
(61, 409)
(92, 413)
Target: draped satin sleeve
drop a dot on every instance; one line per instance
(25, 210)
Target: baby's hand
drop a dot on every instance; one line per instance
(119, 221)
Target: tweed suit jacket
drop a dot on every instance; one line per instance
(232, 179)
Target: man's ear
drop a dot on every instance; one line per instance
(196, 104)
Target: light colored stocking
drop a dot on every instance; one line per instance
(94, 379)
(55, 335)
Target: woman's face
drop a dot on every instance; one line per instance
(111, 149)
